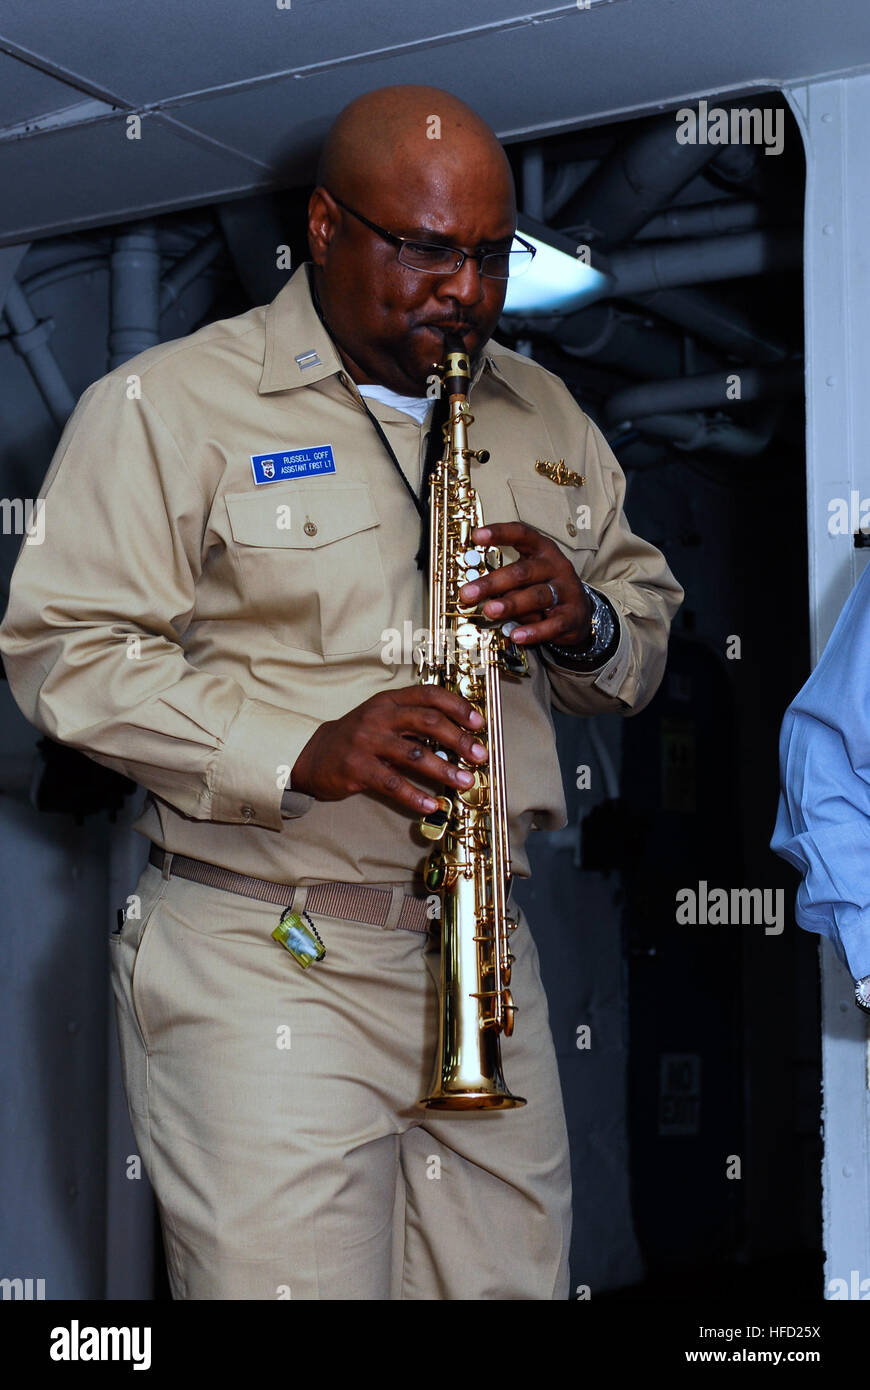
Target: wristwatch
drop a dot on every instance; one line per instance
(602, 638)
(862, 994)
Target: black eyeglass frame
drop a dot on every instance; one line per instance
(400, 241)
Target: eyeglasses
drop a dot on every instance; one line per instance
(447, 260)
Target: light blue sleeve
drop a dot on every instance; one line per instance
(823, 820)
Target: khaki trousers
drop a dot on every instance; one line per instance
(274, 1109)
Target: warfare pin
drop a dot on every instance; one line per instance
(558, 473)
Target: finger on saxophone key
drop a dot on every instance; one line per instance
(456, 774)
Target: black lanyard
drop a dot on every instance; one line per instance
(434, 449)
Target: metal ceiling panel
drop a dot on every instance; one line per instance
(159, 48)
(25, 92)
(91, 175)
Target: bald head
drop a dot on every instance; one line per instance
(407, 130)
(422, 165)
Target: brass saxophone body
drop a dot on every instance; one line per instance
(469, 865)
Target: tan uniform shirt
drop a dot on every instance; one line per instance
(190, 626)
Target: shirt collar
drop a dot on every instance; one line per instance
(299, 350)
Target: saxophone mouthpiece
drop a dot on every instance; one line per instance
(456, 366)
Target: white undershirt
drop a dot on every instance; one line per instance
(418, 406)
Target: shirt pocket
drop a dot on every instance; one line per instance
(311, 566)
(558, 512)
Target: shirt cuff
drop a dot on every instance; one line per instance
(262, 742)
(611, 675)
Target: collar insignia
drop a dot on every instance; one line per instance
(307, 359)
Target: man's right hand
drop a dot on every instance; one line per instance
(370, 746)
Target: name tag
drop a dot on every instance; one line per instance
(292, 463)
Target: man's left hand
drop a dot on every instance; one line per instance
(521, 588)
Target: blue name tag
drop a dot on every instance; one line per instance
(292, 463)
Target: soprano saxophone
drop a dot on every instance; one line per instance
(469, 864)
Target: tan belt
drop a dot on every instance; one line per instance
(386, 907)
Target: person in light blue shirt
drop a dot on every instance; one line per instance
(823, 821)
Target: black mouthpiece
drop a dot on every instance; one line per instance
(455, 367)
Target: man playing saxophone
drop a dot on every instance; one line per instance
(259, 530)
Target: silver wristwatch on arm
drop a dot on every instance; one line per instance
(603, 638)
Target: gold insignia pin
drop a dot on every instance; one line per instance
(558, 473)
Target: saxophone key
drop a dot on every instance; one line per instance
(509, 1008)
(434, 824)
(476, 794)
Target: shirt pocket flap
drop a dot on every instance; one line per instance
(551, 509)
(302, 518)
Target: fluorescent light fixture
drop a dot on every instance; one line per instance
(557, 281)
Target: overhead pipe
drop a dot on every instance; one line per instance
(705, 219)
(699, 434)
(29, 337)
(705, 391)
(737, 164)
(723, 324)
(611, 337)
(67, 270)
(172, 285)
(665, 265)
(134, 268)
(639, 179)
(185, 270)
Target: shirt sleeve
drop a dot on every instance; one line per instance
(823, 819)
(92, 638)
(634, 576)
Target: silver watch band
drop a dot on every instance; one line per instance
(605, 626)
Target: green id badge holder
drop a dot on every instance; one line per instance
(301, 940)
